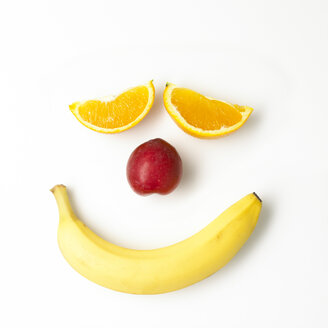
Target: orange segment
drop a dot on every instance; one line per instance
(115, 114)
(203, 116)
(214, 114)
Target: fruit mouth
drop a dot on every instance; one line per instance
(160, 270)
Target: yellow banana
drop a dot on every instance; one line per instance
(159, 270)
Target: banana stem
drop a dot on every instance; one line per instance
(61, 196)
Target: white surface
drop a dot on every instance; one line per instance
(271, 55)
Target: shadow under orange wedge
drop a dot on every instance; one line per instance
(202, 116)
(114, 114)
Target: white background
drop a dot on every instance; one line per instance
(270, 55)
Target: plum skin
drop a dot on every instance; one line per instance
(154, 167)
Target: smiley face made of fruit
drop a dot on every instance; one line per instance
(156, 167)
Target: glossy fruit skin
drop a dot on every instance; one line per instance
(154, 167)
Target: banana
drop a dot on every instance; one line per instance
(159, 270)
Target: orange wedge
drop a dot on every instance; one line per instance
(114, 114)
(202, 116)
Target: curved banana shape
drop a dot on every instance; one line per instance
(159, 270)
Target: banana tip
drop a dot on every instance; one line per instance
(57, 186)
(257, 196)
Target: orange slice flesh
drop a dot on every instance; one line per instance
(203, 116)
(115, 114)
